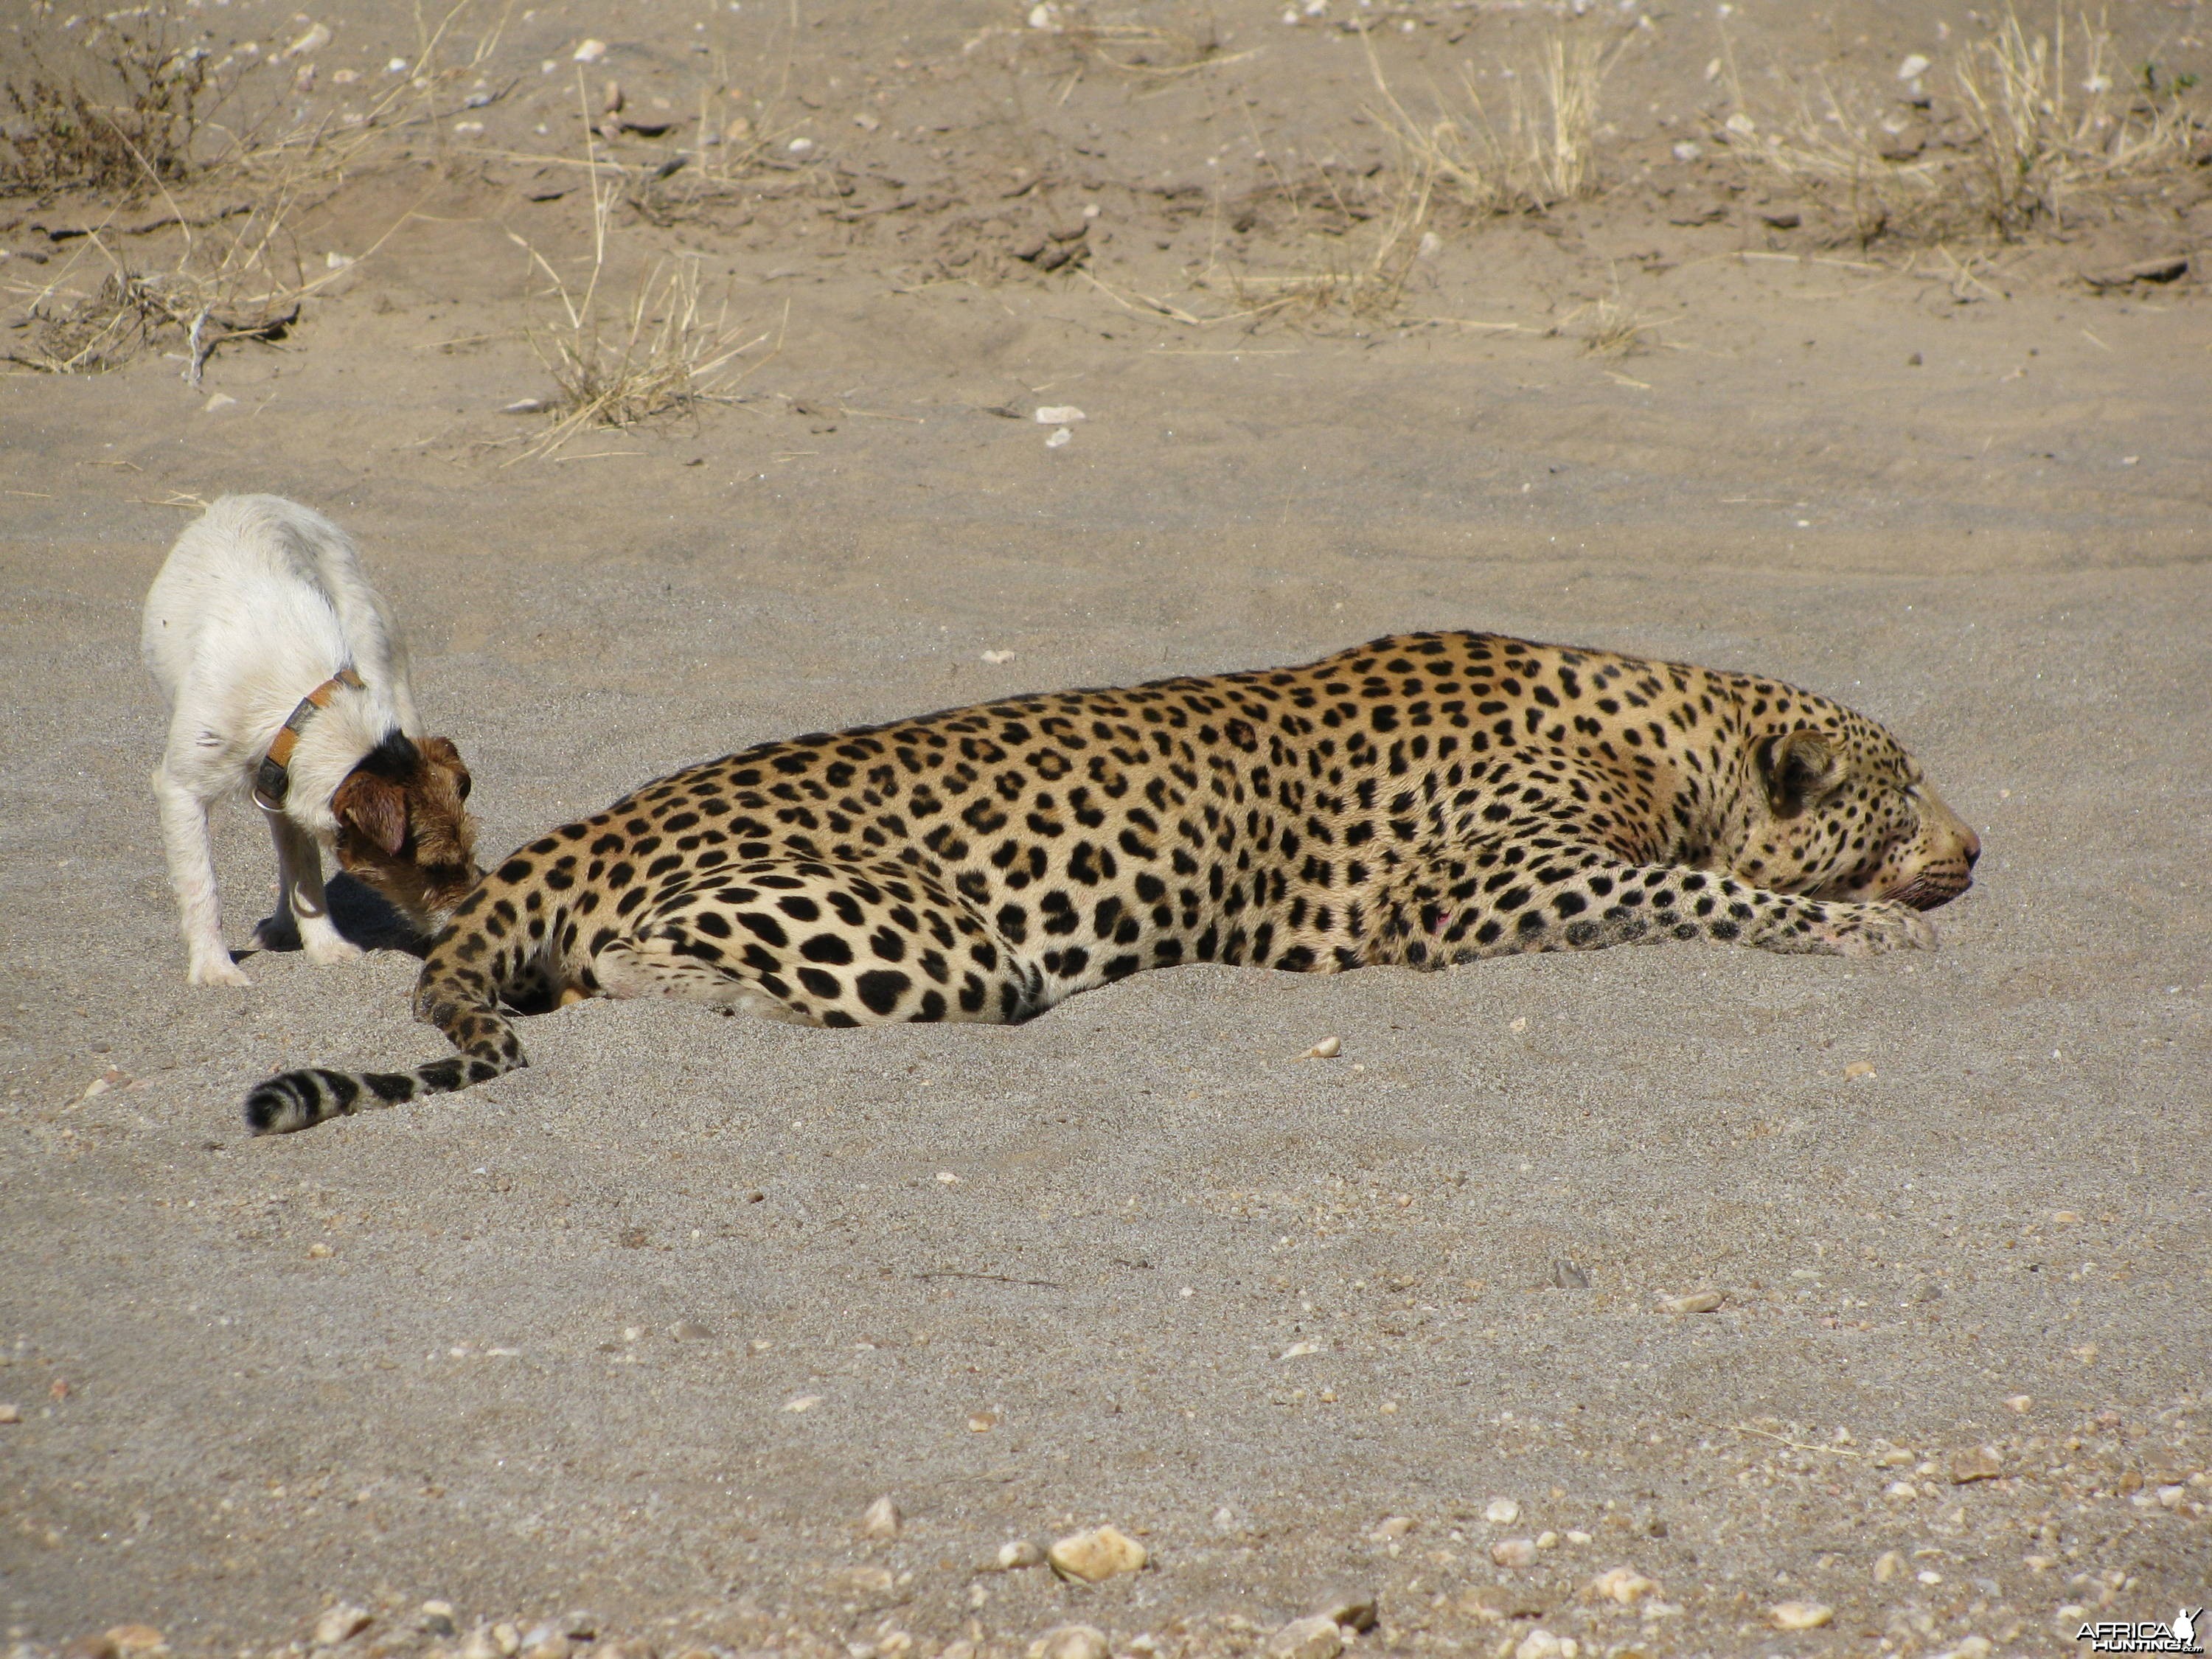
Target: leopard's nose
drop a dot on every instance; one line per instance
(1973, 849)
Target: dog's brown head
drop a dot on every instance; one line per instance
(405, 828)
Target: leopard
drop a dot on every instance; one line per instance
(1426, 800)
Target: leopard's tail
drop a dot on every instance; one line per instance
(463, 1004)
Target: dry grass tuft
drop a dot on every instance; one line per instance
(1611, 328)
(2039, 130)
(617, 364)
(1544, 153)
(1463, 164)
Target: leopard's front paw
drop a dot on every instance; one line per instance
(1868, 930)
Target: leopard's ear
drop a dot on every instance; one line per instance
(375, 806)
(1801, 766)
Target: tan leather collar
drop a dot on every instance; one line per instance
(272, 779)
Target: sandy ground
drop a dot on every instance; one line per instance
(541, 1351)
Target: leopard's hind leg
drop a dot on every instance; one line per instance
(822, 943)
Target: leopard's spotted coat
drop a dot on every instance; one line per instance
(1423, 800)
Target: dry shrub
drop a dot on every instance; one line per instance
(617, 364)
(2042, 130)
(238, 278)
(120, 111)
(170, 122)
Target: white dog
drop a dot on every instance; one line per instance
(286, 675)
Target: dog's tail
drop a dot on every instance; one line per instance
(462, 1003)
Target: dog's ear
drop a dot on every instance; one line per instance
(441, 751)
(374, 806)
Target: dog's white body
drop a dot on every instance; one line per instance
(261, 601)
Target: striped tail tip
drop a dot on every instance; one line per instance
(299, 1100)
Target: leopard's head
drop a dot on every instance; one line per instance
(1841, 812)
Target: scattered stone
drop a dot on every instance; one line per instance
(545, 1640)
(90, 1647)
(1540, 1643)
(994, 657)
(1514, 1552)
(1859, 1068)
(1623, 1584)
(1355, 1610)
(983, 1422)
(1070, 1642)
(1095, 1556)
(318, 1252)
(590, 51)
(1696, 1302)
(1058, 415)
(1027, 244)
(690, 1330)
(1502, 1512)
(1887, 1566)
(1800, 1615)
(1976, 1463)
(2020, 1402)
(1060, 438)
(2170, 268)
(1299, 1351)
(1312, 1638)
(137, 1641)
(313, 40)
(221, 401)
(1912, 68)
(1327, 1049)
(10, 1413)
(436, 1619)
(1566, 1275)
(806, 1402)
(1687, 150)
(1017, 1553)
(340, 1622)
(866, 1581)
(1548, 1540)
(1390, 1527)
(881, 1519)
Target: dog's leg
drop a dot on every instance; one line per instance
(192, 872)
(303, 905)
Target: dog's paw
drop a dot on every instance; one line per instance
(327, 949)
(277, 932)
(219, 971)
